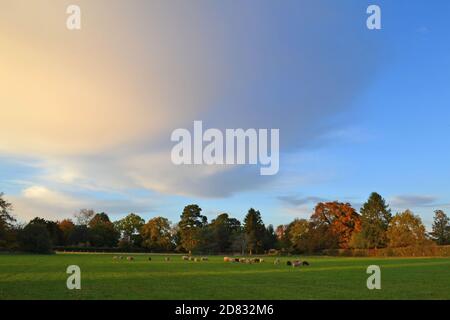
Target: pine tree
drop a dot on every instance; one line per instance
(375, 218)
(441, 228)
(254, 230)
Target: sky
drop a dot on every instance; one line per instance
(87, 114)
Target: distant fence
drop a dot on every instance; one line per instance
(419, 251)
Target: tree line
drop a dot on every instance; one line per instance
(332, 225)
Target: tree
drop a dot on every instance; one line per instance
(35, 238)
(220, 232)
(270, 238)
(6, 221)
(5, 211)
(190, 225)
(157, 235)
(441, 228)
(102, 232)
(341, 218)
(254, 230)
(56, 235)
(129, 227)
(67, 227)
(375, 218)
(84, 216)
(406, 229)
(79, 236)
(296, 235)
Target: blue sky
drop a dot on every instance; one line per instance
(88, 115)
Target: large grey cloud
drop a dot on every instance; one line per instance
(140, 69)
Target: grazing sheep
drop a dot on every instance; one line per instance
(305, 263)
(204, 258)
(167, 259)
(296, 264)
(130, 258)
(120, 257)
(236, 260)
(115, 258)
(277, 261)
(261, 260)
(197, 259)
(288, 263)
(185, 258)
(191, 258)
(226, 259)
(242, 260)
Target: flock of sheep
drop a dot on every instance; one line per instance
(294, 263)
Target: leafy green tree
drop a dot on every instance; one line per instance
(406, 229)
(35, 238)
(375, 218)
(129, 227)
(102, 232)
(55, 233)
(254, 230)
(79, 236)
(222, 230)
(190, 226)
(157, 235)
(441, 228)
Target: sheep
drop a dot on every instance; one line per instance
(185, 258)
(204, 258)
(130, 258)
(242, 260)
(115, 258)
(197, 259)
(167, 259)
(277, 261)
(305, 263)
(120, 257)
(191, 258)
(226, 259)
(236, 260)
(288, 263)
(296, 264)
(261, 260)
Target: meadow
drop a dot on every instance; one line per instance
(102, 277)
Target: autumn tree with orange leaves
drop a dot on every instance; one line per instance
(340, 218)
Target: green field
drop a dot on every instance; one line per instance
(44, 277)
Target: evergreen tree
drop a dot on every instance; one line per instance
(190, 225)
(375, 218)
(254, 230)
(441, 228)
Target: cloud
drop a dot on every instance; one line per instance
(412, 201)
(298, 201)
(40, 201)
(96, 108)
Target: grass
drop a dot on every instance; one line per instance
(44, 277)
